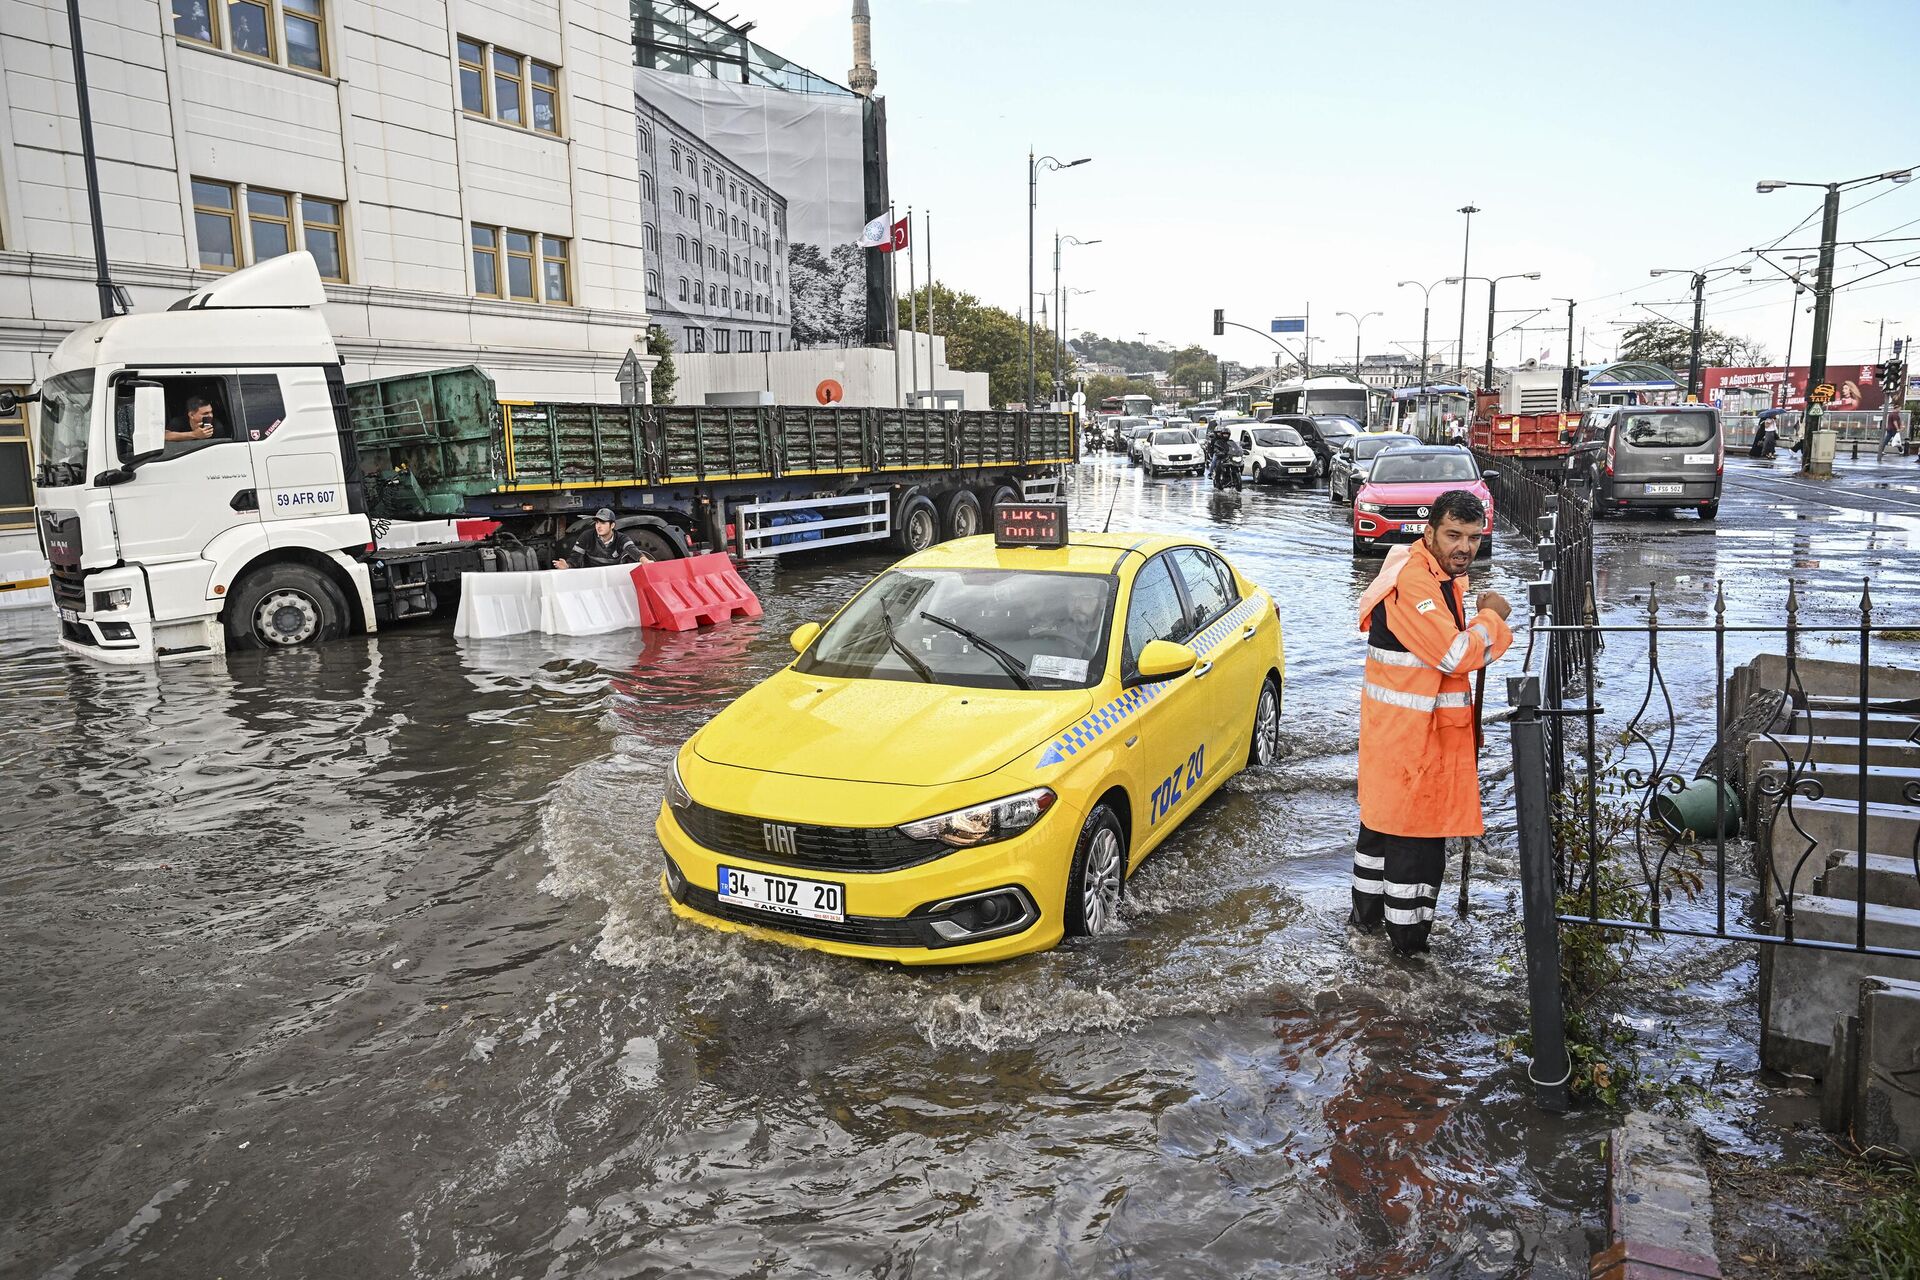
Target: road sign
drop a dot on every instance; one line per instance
(1292, 324)
(632, 379)
(1822, 394)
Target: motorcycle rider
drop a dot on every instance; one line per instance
(1222, 450)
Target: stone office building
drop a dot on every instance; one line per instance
(715, 241)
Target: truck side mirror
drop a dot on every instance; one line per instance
(149, 419)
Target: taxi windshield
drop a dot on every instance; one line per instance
(982, 628)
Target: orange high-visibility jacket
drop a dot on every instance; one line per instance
(1419, 770)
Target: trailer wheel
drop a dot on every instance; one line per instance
(994, 495)
(655, 544)
(284, 606)
(960, 514)
(917, 526)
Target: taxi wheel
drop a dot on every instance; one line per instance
(1099, 866)
(1266, 726)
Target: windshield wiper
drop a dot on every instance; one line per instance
(1012, 665)
(893, 642)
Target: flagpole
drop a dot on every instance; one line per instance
(933, 328)
(893, 290)
(913, 305)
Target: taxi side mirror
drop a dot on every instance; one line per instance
(1163, 659)
(803, 636)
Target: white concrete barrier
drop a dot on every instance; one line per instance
(500, 604)
(589, 602)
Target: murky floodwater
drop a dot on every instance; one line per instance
(353, 962)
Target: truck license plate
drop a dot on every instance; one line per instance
(783, 895)
(1654, 489)
(69, 615)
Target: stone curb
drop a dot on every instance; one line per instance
(1659, 1204)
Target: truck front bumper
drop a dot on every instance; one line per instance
(106, 616)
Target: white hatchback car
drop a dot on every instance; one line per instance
(1172, 449)
(1275, 454)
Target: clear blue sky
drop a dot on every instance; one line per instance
(1262, 155)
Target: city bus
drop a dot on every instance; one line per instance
(1137, 406)
(1330, 393)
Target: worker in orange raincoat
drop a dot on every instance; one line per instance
(1419, 758)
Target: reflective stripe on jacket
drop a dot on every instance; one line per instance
(1419, 771)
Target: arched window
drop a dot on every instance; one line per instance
(646, 186)
(650, 238)
(679, 199)
(680, 244)
(683, 288)
(676, 157)
(653, 284)
(713, 295)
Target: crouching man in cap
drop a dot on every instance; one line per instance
(600, 544)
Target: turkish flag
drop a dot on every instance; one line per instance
(899, 238)
(878, 235)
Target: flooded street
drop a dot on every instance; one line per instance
(354, 961)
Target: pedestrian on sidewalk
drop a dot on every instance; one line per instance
(1419, 738)
(1891, 434)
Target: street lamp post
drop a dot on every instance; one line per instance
(1493, 285)
(1059, 328)
(1793, 319)
(1357, 322)
(1426, 310)
(1033, 198)
(1061, 320)
(1700, 279)
(1460, 343)
(1880, 343)
(1823, 282)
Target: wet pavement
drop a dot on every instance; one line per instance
(354, 962)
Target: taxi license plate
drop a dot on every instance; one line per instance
(783, 895)
(1662, 489)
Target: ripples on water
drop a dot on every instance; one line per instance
(355, 962)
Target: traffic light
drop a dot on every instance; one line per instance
(1219, 321)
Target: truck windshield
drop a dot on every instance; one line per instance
(66, 411)
(1667, 430)
(942, 626)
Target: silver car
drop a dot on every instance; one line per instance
(1351, 466)
(1666, 456)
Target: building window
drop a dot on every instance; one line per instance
(766, 340)
(270, 222)
(680, 243)
(723, 341)
(291, 33)
(554, 253)
(214, 225)
(746, 339)
(709, 218)
(544, 84)
(696, 338)
(706, 179)
(525, 266)
(713, 295)
(486, 262)
(676, 157)
(696, 251)
(473, 77)
(16, 468)
(683, 288)
(679, 198)
(649, 238)
(646, 140)
(320, 232)
(510, 88)
(646, 185)
(713, 258)
(653, 284)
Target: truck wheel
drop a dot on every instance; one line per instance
(917, 526)
(960, 514)
(284, 606)
(656, 544)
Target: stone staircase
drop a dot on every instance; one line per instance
(1847, 849)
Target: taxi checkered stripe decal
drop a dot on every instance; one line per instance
(1083, 734)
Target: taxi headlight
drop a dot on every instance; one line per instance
(984, 823)
(1371, 508)
(677, 790)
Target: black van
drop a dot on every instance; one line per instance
(1651, 456)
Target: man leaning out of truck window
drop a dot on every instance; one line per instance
(599, 545)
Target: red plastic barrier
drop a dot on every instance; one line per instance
(684, 594)
(648, 618)
(474, 530)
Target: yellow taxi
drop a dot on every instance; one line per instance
(969, 759)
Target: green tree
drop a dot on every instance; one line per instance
(659, 344)
(986, 339)
(1102, 385)
(1132, 356)
(1191, 366)
(1669, 344)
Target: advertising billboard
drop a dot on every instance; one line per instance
(1855, 386)
(810, 148)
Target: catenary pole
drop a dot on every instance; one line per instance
(103, 279)
(913, 306)
(1466, 242)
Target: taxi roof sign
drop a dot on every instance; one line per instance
(1030, 524)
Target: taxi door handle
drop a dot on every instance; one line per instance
(1135, 738)
(1200, 672)
(1252, 630)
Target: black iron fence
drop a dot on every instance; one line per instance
(1625, 823)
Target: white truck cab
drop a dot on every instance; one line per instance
(198, 485)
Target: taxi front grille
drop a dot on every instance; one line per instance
(810, 847)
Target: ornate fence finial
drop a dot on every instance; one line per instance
(1793, 604)
(1592, 617)
(1653, 604)
(1720, 603)
(1866, 603)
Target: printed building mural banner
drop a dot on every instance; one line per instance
(1855, 386)
(810, 148)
